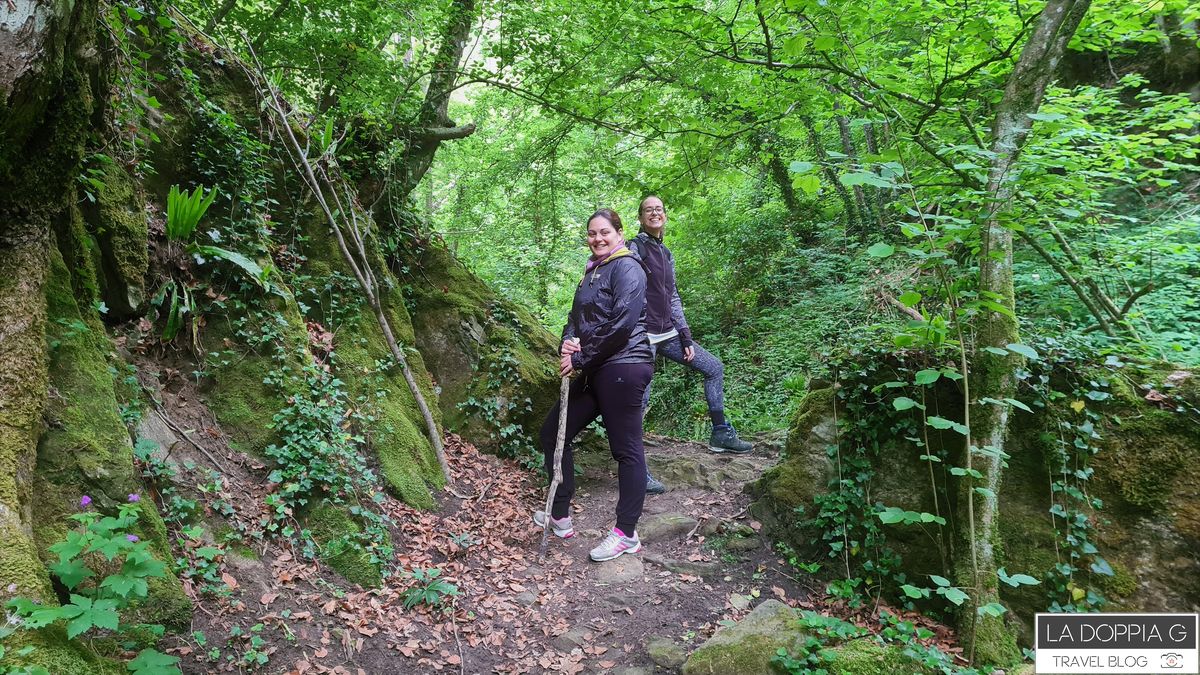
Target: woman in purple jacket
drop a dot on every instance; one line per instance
(604, 342)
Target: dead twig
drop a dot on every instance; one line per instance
(162, 414)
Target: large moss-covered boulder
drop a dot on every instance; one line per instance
(86, 448)
(1146, 473)
(493, 363)
(117, 222)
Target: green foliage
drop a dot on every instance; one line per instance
(105, 566)
(184, 211)
(428, 588)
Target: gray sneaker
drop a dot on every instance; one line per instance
(654, 486)
(725, 439)
(561, 527)
(615, 545)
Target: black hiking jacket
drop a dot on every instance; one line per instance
(608, 315)
(664, 309)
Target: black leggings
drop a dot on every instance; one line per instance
(614, 393)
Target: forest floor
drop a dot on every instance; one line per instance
(703, 565)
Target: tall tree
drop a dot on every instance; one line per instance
(995, 376)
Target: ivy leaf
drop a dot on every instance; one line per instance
(152, 662)
(881, 250)
(943, 423)
(1077, 406)
(992, 609)
(926, 377)
(940, 581)
(1101, 566)
(954, 595)
(913, 591)
(1017, 404)
(1016, 580)
(1024, 350)
(891, 515)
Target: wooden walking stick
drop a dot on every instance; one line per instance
(564, 391)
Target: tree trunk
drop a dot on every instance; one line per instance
(45, 94)
(801, 217)
(433, 122)
(853, 224)
(994, 376)
(860, 195)
(222, 12)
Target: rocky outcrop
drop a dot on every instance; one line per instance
(1147, 474)
(749, 647)
(495, 366)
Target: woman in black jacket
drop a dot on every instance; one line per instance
(604, 342)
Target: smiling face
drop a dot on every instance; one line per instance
(602, 237)
(652, 215)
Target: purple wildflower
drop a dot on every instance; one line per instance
(84, 501)
(131, 537)
(12, 588)
(135, 497)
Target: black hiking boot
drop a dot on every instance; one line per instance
(725, 439)
(654, 486)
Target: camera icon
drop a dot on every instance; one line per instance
(1172, 660)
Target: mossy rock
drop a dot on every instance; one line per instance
(1147, 456)
(866, 656)
(87, 448)
(398, 433)
(329, 522)
(460, 336)
(51, 650)
(805, 470)
(117, 221)
(748, 647)
(243, 403)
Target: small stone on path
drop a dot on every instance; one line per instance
(664, 652)
(664, 526)
(623, 570)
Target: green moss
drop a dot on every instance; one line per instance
(87, 448)
(120, 229)
(1149, 452)
(458, 336)
(397, 431)
(796, 480)
(1121, 584)
(23, 388)
(865, 656)
(52, 651)
(750, 655)
(327, 523)
(242, 402)
(995, 644)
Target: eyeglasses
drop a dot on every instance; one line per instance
(654, 209)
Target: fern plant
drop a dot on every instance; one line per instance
(185, 209)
